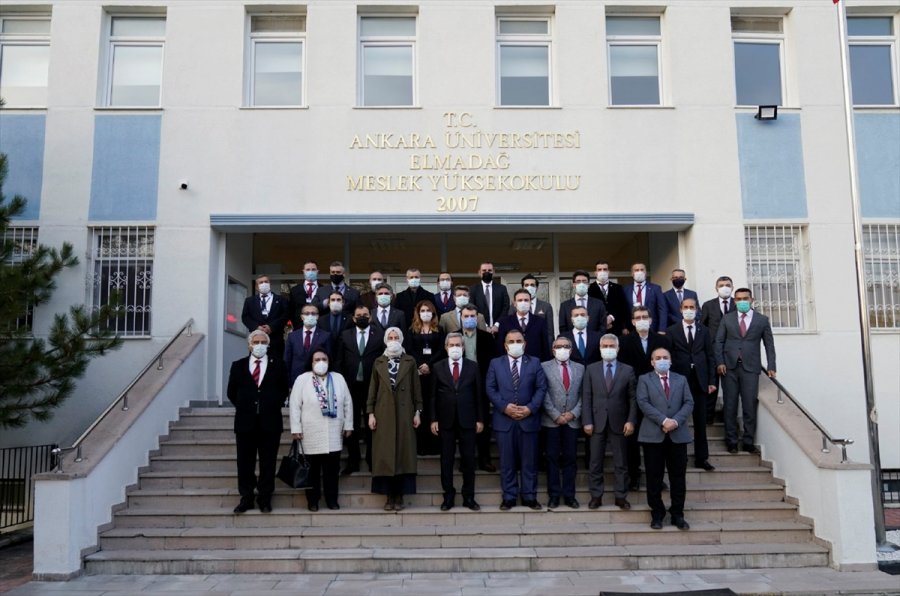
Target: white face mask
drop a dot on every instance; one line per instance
(259, 350)
(523, 307)
(394, 347)
(383, 299)
(320, 368)
(335, 306)
(639, 276)
(562, 354)
(724, 292)
(602, 277)
(580, 322)
(531, 290)
(455, 352)
(609, 354)
(515, 350)
(642, 325)
(375, 284)
(445, 284)
(414, 283)
(264, 287)
(310, 320)
(461, 301)
(426, 315)
(689, 314)
(581, 289)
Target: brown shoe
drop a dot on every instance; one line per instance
(595, 503)
(623, 503)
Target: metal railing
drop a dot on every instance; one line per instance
(826, 436)
(157, 360)
(17, 467)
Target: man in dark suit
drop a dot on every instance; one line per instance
(480, 348)
(367, 298)
(675, 295)
(585, 341)
(303, 341)
(739, 362)
(609, 414)
(613, 298)
(335, 320)
(444, 299)
(634, 350)
(360, 345)
(385, 314)
(648, 294)
(595, 308)
(516, 386)
(490, 297)
(267, 312)
(459, 416)
(407, 300)
(539, 307)
(710, 316)
(664, 398)
(534, 328)
(338, 284)
(257, 387)
(692, 357)
(304, 292)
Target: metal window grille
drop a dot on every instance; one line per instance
(122, 266)
(881, 250)
(24, 242)
(776, 270)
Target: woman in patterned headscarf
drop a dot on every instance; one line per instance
(394, 407)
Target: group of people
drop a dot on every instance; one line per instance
(413, 373)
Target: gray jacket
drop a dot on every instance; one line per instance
(557, 400)
(651, 399)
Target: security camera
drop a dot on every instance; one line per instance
(183, 185)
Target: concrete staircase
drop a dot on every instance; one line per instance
(178, 519)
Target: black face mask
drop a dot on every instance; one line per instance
(337, 279)
(487, 277)
(678, 283)
(362, 322)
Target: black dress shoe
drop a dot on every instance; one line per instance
(313, 507)
(571, 502)
(349, 470)
(487, 467)
(471, 504)
(533, 505)
(447, 505)
(732, 449)
(680, 523)
(333, 506)
(243, 506)
(634, 486)
(507, 505)
(623, 503)
(751, 449)
(553, 503)
(656, 524)
(705, 465)
(265, 506)
(595, 503)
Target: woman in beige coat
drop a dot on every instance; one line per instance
(394, 407)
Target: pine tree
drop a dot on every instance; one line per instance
(38, 374)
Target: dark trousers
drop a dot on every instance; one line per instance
(359, 391)
(466, 439)
(738, 384)
(324, 469)
(562, 445)
(658, 457)
(518, 454)
(249, 446)
(634, 453)
(619, 446)
(699, 393)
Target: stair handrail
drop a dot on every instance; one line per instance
(826, 436)
(58, 452)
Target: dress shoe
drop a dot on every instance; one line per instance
(333, 506)
(732, 449)
(389, 504)
(571, 502)
(349, 470)
(634, 486)
(656, 524)
(705, 465)
(533, 505)
(553, 503)
(448, 503)
(595, 503)
(487, 467)
(313, 507)
(471, 504)
(243, 506)
(265, 506)
(623, 503)
(680, 523)
(507, 505)
(751, 449)
(399, 505)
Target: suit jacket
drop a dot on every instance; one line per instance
(631, 351)
(449, 322)
(530, 392)
(559, 400)
(351, 297)
(711, 315)
(298, 300)
(439, 302)
(695, 360)
(536, 342)
(617, 405)
(615, 304)
(326, 323)
(347, 357)
(257, 408)
(252, 317)
(407, 300)
(395, 319)
(730, 346)
(596, 315)
(656, 407)
(673, 305)
(653, 299)
(459, 403)
(542, 309)
(296, 358)
(499, 298)
(591, 347)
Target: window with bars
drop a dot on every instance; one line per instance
(122, 268)
(777, 259)
(22, 242)
(881, 250)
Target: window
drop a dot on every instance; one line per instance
(276, 60)
(387, 61)
(123, 267)
(776, 270)
(881, 251)
(873, 47)
(134, 73)
(24, 60)
(22, 242)
(634, 58)
(758, 56)
(523, 61)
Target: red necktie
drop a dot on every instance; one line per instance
(306, 341)
(445, 298)
(455, 372)
(309, 289)
(639, 299)
(743, 325)
(256, 373)
(665, 381)
(566, 380)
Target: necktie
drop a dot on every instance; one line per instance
(446, 298)
(581, 346)
(515, 373)
(384, 318)
(307, 340)
(362, 348)
(459, 318)
(609, 376)
(490, 304)
(309, 290)
(680, 296)
(639, 299)
(262, 304)
(522, 323)
(743, 325)
(690, 336)
(256, 372)
(455, 372)
(725, 306)
(605, 290)
(665, 381)
(565, 375)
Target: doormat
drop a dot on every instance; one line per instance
(715, 592)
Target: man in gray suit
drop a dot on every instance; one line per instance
(561, 421)
(609, 414)
(738, 362)
(665, 399)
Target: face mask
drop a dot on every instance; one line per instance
(743, 306)
(426, 315)
(515, 350)
(337, 279)
(320, 368)
(678, 283)
(461, 301)
(523, 307)
(689, 314)
(581, 289)
(531, 290)
(310, 275)
(580, 322)
(724, 292)
(335, 306)
(603, 277)
(383, 299)
(375, 284)
(310, 320)
(455, 352)
(362, 322)
(487, 277)
(393, 347)
(414, 282)
(662, 366)
(562, 354)
(470, 323)
(642, 325)
(444, 285)
(259, 350)
(609, 354)
(264, 288)
(639, 276)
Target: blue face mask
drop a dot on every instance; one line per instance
(470, 323)
(310, 275)
(662, 366)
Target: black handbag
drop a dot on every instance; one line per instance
(294, 469)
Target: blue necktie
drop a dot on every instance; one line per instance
(581, 346)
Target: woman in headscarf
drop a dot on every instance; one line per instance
(394, 408)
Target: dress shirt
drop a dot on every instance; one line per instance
(519, 360)
(748, 320)
(263, 364)
(266, 302)
(634, 293)
(527, 318)
(722, 302)
(615, 364)
(644, 341)
(684, 327)
(450, 362)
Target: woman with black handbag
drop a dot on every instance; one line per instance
(321, 416)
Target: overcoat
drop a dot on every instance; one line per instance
(394, 438)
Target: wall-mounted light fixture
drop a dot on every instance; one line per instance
(767, 113)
